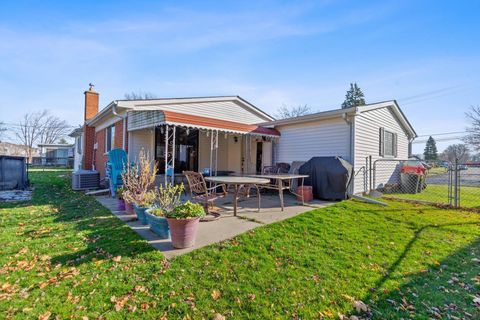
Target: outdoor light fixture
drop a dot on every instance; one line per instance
(208, 134)
(235, 139)
(188, 131)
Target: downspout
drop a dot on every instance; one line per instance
(124, 129)
(351, 122)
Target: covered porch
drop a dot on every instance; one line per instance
(181, 142)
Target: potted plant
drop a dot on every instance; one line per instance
(142, 203)
(138, 181)
(166, 199)
(157, 221)
(183, 222)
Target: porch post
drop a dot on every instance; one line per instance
(174, 128)
(213, 152)
(169, 154)
(166, 153)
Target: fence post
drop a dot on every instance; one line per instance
(456, 185)
(370, 173)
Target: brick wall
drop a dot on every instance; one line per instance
(88, 141)
(118, 143)
(100, 156)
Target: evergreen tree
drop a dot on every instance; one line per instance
(430, 152)
(354, 97)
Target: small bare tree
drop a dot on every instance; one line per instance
(139, 95)
(53, 129)
(457, 152)
(473, 137)
(40, 127)
(285, 112)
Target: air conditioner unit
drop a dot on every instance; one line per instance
(85, 180)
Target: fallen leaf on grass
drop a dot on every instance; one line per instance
(117, 258)
(251, 296)
(360, 306)
(218, 316)
(45, 316)
(215, 294)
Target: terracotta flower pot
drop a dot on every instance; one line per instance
(140, 212)
(183, 232)
(129, 208)
(121, 205)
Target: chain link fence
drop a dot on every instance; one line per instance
(443, 183)
(51, 162)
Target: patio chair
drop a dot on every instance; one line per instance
(280, 167)
(199, 190)
(117, 159)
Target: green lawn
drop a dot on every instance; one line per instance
(437, 170)
(64, 255)
(469, 196)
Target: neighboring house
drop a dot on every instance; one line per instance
(13, 149)
(55, 154)
(77, 134)
(379, 130)
(230, 134)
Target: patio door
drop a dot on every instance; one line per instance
(186, 149)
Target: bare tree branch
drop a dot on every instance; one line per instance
(40, 127)
(454, 152)
(285, 112)
(473, 137)
(139, 95)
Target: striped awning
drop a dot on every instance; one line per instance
(151, 118)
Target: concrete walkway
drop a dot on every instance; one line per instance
(224, 228)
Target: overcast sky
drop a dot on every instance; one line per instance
(424, 54)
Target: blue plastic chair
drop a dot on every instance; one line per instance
(117, 160)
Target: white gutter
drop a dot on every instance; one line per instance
(115, 113)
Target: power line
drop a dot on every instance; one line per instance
(442, 133)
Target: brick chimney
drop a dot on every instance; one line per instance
(91, 109)
(91, 103)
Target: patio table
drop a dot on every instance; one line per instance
(237, 182)
(280, 185)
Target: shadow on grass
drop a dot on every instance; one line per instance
(81, 217)
(426, 293)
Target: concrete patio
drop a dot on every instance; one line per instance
(227, 226)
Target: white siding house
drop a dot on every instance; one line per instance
(378, 130)
(299, 141)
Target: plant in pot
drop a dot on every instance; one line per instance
(166, 199)
(142, 203)
(138, 182)
(183, 221)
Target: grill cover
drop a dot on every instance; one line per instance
(329, 177)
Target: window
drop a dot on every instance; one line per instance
(388, 143)
(109, 138)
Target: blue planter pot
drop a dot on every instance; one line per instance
(158, 225)
(140, 212)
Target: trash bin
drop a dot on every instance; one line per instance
(411, 182)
